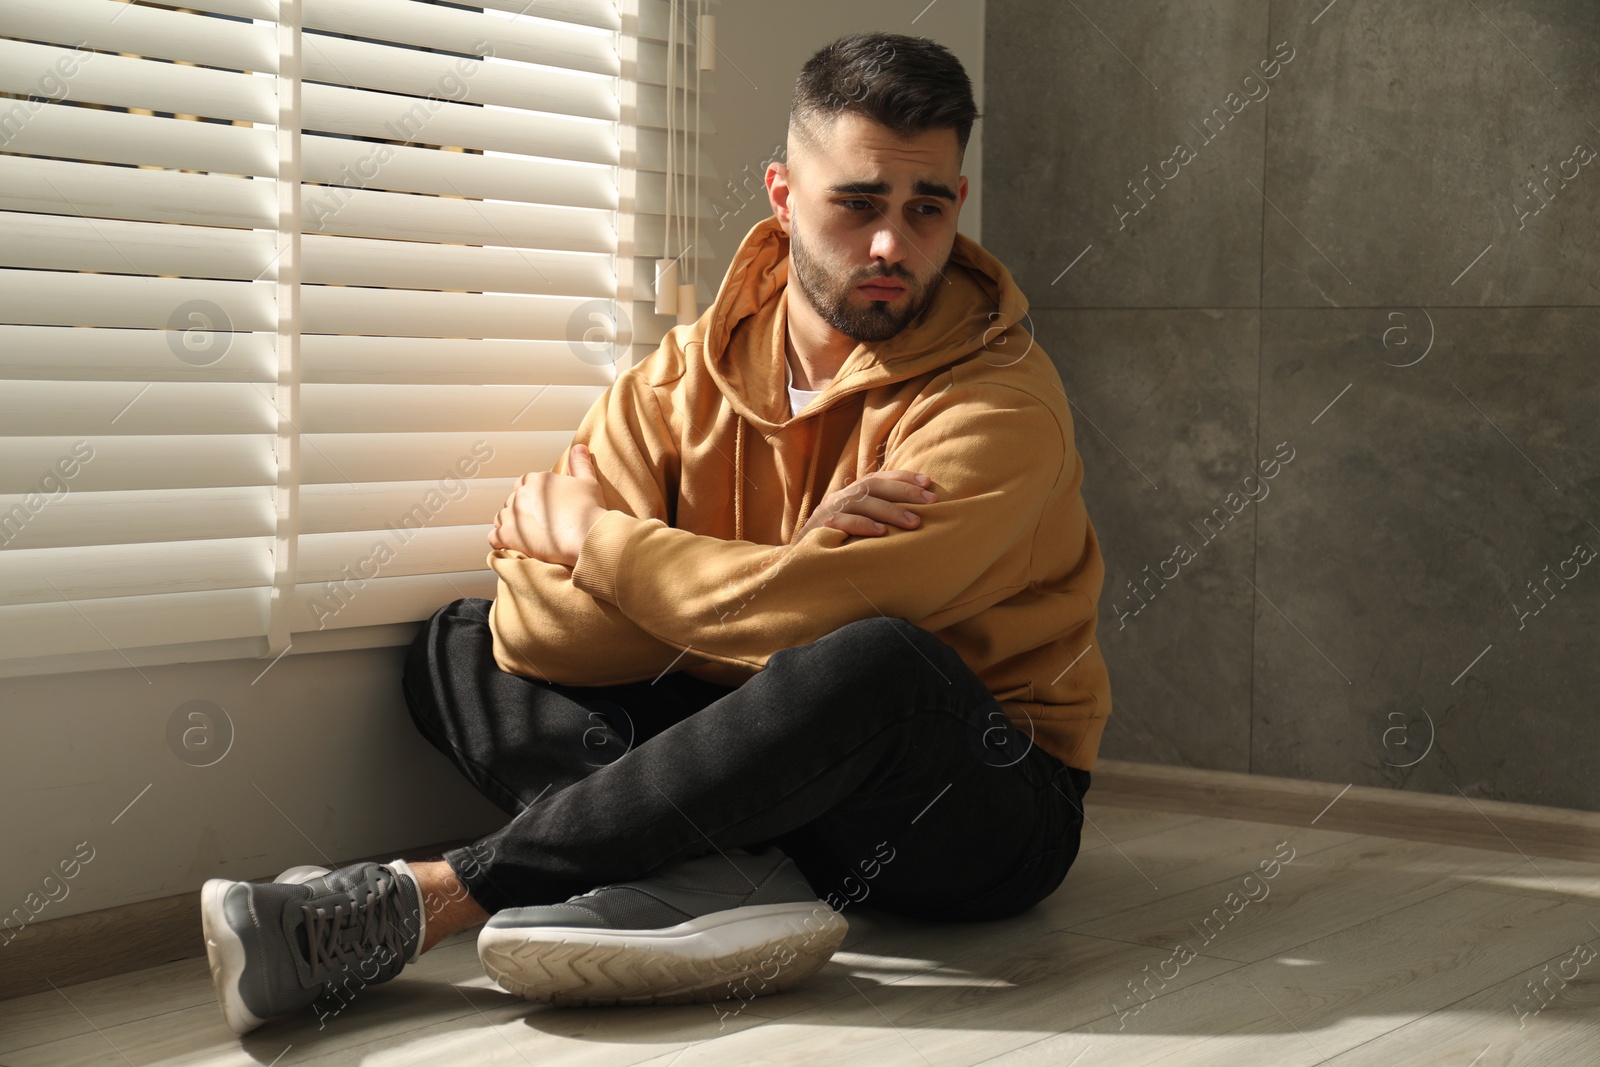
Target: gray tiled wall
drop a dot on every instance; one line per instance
(1346, 275)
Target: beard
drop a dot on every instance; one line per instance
(856, 316)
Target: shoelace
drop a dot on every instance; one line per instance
(333, 954)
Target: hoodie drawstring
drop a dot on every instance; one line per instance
(738, 480)
(811, 475)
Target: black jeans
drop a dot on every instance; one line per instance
(872, 756)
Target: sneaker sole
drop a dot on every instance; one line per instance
(739, 953)
(225, 953)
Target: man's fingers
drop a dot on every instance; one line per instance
(856, 525)
(898, 489)
(891, 485)
(887, 511)
(860, 514)
(908, 476)
(582, 462)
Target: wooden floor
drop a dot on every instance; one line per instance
(1359, 950)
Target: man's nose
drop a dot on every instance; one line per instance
(888, 244)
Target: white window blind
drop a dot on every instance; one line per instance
(293, 292)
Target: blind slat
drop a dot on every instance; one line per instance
(50, 575)
(145, 31)
(416, 265)
(162, 408)
(600, 14)
(335, 109)
(528, 40)
(148, 140)
(345, 559)
(400, 457)
(449, 501)
(136, 463)
(448, 361)
(442, 408)
(265, 10)
(380, 601)
(405, 312)
(396, 216)
(70, 242)
(129, 82)
(122, 626)
(653, 156)
(67, 353)
(131, 517)
(66, 298)
(361, 164)
(62, 188)
(445, 76)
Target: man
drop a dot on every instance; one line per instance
(808, 607)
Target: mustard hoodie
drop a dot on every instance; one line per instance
(709, 478)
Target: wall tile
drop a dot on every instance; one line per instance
(1397, 542)
(1400, 150)
(1164, 417)
(1071, 123)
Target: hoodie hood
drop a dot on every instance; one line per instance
(744, 330)
(741, 338)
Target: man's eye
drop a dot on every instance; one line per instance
(847, 203)
(934, 210)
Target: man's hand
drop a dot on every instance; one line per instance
(861, 508)
(548, 515)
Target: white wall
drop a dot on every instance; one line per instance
(325, 763)
(326, 738)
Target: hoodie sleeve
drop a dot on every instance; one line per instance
(995, 454)
(546, 627)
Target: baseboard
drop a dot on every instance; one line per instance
(1532, 829)
(129, 937)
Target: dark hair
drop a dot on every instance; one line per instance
(909, 84)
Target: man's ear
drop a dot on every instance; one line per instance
(778, 193)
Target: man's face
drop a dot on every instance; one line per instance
(864, 206)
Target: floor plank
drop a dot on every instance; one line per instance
(1572, 880)
(42, 1017)
(1313, 895)
(1104, 824)
(967, 1010)
(1154, 867)
(1509, 1024)
(1343, 992)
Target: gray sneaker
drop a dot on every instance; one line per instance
(276, 947)
(723, 925)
